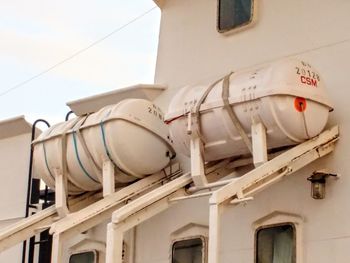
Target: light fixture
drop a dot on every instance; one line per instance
(318, 183)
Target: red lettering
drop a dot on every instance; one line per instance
(314, 82)
(308, 81)
(303, 79)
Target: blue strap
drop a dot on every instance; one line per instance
(103, 133)
(78, 158)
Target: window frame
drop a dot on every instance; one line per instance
(295, 240)
(240, 27)
(95, 252)
(204, 248)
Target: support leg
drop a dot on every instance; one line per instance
(61, 194)
(197, 162)
(259, 144)
(108, 178)
(57, 249)
(114, 250)
(215, 211)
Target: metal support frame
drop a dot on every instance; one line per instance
(157, 195)
(259, 151)
(61, 187)
(99, 211)
(26, 228)
(61, 193)
(30, 179)
(262, 177)
(140, 210)
(87, 211)
(39, 222)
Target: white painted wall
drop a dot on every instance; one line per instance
(192, 51)
(14, 163)
(14, 156)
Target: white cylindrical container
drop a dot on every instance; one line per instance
(288, 97)
(131, 134)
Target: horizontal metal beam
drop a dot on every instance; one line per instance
(187, 197)
(194, 189)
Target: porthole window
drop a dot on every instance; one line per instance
(275, 244)
(234, 14)
(84, 257)
(189, 251)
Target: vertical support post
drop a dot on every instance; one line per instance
(215, 211)
(132, 248)
(61, 194)
(259, 144)
(108, 178)
(197, 162)
(115, 236)
(57, 248)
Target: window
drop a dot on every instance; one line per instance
(276, 244)
(188, 251)
(234, 13)
(84, 257)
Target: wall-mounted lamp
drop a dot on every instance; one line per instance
(318, 183)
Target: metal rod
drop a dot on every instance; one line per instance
(29, 185)
(190, 197)
(46, 195)
(68, 114)
(241, 200)
(31, 249)
(194, 189)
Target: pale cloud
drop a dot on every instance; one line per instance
(101, 65)
(35, 35)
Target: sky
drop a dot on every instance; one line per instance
(37, 34)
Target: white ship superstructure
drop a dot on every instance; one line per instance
(237, 153)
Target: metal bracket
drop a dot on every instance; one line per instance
(259, 144)
(108, 178)
(262, 177)
(197, 162)
(61, 193)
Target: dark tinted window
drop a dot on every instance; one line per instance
(86, 257)
(234, 13)
(275, 245)
(188, 251)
